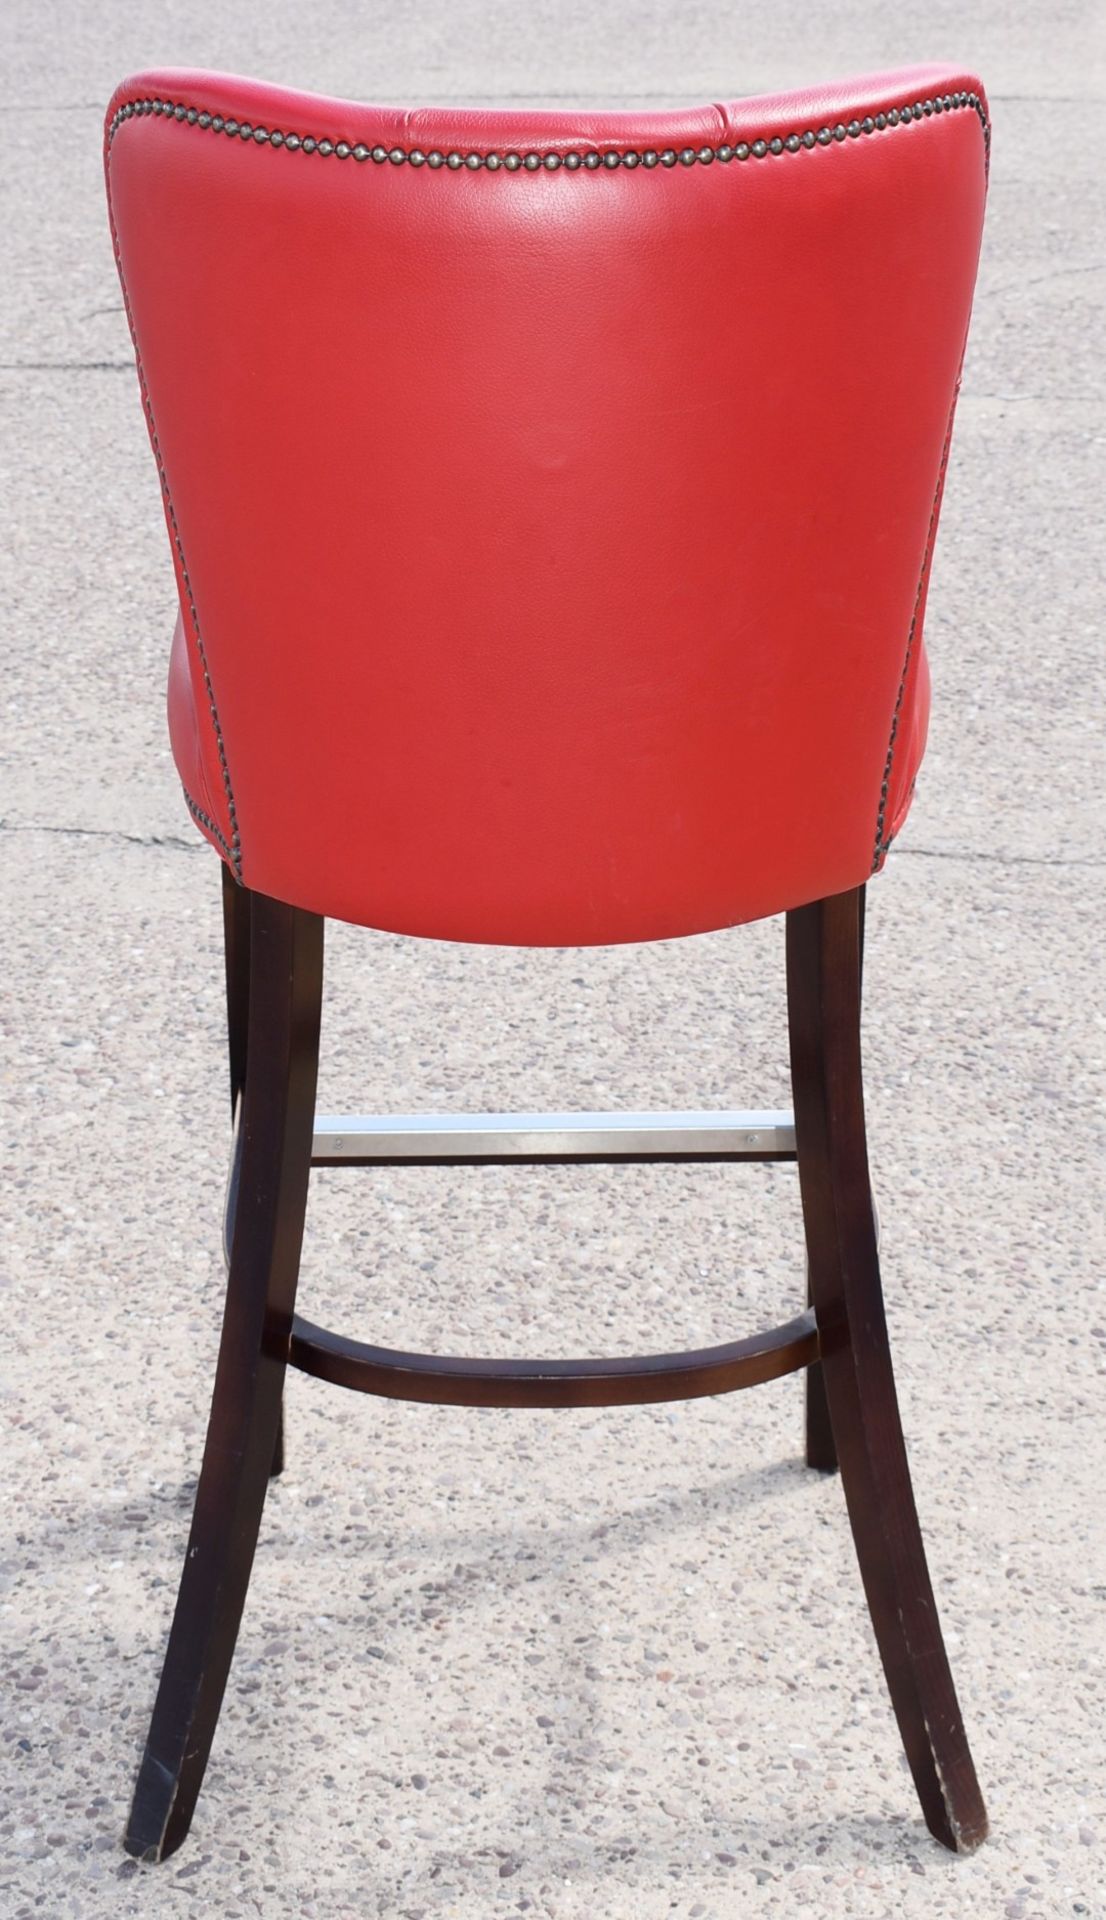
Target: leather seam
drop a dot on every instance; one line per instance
(233, 849)
(882, 845)
(574, 159)
(213, 829)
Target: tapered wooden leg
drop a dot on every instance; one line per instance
(236, 953)
(276, 1464)
(823, 984)
(820, 1449)
(285, 990)
(237, 901)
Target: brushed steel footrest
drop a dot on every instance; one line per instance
(441, 1139)
(531, 1139)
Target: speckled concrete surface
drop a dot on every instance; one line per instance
(614, 1663)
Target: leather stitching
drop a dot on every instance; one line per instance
(881, 844)
(574, 159)
(233, 850)
(207, 822)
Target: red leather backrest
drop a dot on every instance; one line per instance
(551, 496)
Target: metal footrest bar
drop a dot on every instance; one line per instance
(531, 1139)
(554, 1383)
(439, 1139)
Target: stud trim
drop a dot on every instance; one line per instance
(214, 830)
(882, 844)
(574, 160)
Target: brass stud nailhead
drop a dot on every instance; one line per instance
(551, 162)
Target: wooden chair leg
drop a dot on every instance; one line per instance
(236, 953)
(820, 1449)
(823, 985)
(237, 901)
(285, 991)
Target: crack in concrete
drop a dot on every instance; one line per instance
(104, 833)
(968, 855)
(66, 366)
(1047, 279)
(64, 106)
(973, 854)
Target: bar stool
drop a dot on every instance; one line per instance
(552, 500)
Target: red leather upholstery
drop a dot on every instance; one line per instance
(552, 496)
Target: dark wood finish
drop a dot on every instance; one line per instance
(553, 1383)
(236, 955)
(821, 1452)
(823, 986)
(274, 988)
(286, 950)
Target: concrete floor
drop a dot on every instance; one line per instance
(615, 1664)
